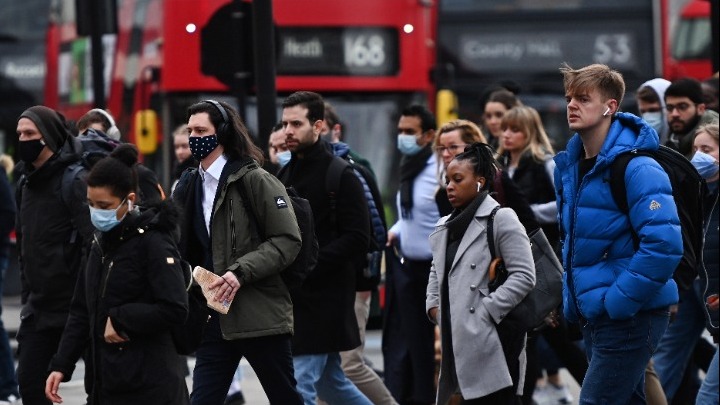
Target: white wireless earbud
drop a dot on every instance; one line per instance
(479, 186)
(606, 112)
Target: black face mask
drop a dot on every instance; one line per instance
(30, 150)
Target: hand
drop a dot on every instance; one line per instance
(51, 387)
(225, 287)
(713, 303)
(111, 335)
(433, 313)
(391, 238)
(552, 319)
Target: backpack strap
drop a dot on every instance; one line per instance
(617, 180)
(618, 188)
(66, 190)
(332, 186)
(491, 233)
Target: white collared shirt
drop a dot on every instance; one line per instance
(211, 180)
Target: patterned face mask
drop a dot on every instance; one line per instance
(201, 146)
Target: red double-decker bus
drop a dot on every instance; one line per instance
(369, 59)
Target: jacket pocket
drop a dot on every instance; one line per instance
(123, 367)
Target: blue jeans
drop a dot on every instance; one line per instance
(321, 374)
(8, 380)
(618, 352)
(708, 394)
(677, 345)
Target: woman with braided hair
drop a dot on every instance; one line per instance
(483, 352)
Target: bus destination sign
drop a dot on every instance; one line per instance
(337, 51)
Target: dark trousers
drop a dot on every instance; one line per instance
(35, 350)
(408, 334)
(217, 360)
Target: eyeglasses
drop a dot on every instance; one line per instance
(452, 148)
(682, 107)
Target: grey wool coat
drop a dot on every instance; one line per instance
(479, 360)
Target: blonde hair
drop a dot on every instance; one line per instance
(710, 129)
(527, 120)
(608, 82)
(469, 132)
(7, 163)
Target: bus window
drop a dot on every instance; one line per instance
(692, 40)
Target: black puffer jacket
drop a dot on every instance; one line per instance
(134, 276)
(53, 236)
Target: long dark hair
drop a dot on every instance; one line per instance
(235, 139)
(481, 157)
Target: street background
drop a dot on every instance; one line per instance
(73, 392)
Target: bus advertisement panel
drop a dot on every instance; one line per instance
(369, 59)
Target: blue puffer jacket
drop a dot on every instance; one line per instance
(609, 276)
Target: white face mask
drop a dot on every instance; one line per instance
(655, 120)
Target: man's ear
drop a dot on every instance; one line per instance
(317, 127)
(701, 108)
(428, 136)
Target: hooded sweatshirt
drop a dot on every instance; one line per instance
(659, 85)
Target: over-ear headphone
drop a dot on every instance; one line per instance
(113, 132)
(222, 129)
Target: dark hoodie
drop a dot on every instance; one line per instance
(52, 234)
(134, 277)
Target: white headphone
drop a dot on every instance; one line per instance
(606, 112)
(113, 132)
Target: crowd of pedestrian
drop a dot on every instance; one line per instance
(104, 255)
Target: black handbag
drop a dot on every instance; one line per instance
(546, 296)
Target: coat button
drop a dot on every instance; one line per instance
(472, 287)
(472, 266)
(472, 310)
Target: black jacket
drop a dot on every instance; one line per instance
(532, 178)
(710, 273)
(324, 306)
(133, 276)
(7, 215)
(53, 236)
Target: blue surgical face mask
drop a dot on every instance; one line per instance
(705, 164)
(201, 146)
(655, 120)
(407, 144)
(283, 158)
(105, 220)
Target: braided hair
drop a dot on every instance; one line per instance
(481, 157)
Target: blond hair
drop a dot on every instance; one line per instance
(527, 120)
(7, 163)
(710, 129)
(608, 82)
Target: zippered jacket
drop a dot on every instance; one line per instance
(608, 275)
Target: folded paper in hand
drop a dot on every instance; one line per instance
(204, 278)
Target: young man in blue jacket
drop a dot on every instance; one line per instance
(620, 295)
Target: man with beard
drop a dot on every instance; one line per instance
(685, 108)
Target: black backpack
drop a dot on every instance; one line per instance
(295, 274)
(367, 271)
(689, 192)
